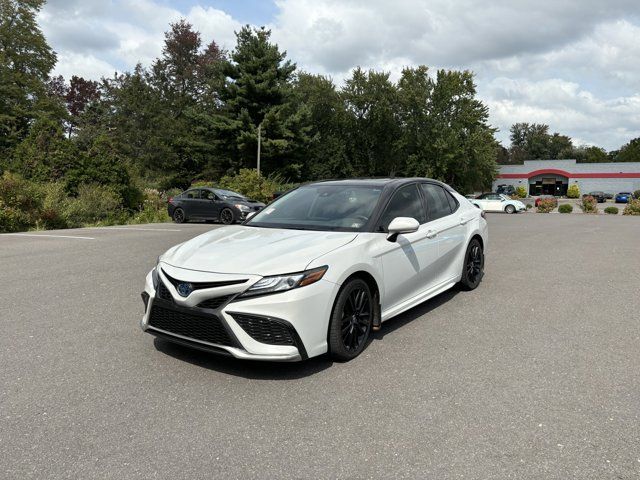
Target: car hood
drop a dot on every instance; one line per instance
(254, 251)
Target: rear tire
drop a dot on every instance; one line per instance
(227, 216)
(178, 216)
(473, 267)
(351, 321)
(510, 209)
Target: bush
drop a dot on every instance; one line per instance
(521, 192)
(589, 204)
(20, 202)
(94, 204)
(546, 205)
(632, 208)
(249, 183)
(636, 194)
(565, 208)
(153, 209)
(573, 191)
(529, 206)
(611, 210)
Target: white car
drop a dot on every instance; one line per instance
(497, 202)
(317, 270)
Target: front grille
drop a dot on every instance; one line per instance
(207, 328)
(215, 302)
(201, 285)
(265, 330)
(163, 292)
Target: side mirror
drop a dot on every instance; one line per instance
(402, 225)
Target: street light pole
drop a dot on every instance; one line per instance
(259, 141)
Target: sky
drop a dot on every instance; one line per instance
(572, 64)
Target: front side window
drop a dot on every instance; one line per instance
(320, 207)
(437, 202)
(406, 202)
(209, 195)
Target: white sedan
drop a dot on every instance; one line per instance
(497, 202)
(317, 270)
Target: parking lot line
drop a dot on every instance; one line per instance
(49, 236)
(136, 229)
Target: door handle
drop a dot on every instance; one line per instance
(431, 234)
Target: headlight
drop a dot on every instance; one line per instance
(242, 208)
(282, 283)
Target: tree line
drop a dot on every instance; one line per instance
(533, 141)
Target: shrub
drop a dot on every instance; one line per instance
(589, 204)
(632, 208)
(153, 209)
(611, 210)
(249, 183)
(636, 194)
(94, 204)
(565, 208)
(521, 192)
(546, 205)
(529, 206)
(20, 202)
(573, 191)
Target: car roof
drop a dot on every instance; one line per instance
(376, 182)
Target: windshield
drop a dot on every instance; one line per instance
(321, 207)
(230, 194)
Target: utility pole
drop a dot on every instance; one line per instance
(259, 141)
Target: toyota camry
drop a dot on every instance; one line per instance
(317, 270)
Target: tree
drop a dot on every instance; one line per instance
(530, 141)
(458, 145)
(629, 152)
(586, 154)
(372, 128)
(25, 62)
(80, 94)
(257, 92)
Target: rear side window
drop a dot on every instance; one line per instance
(406, 202)
(453, 203)
(193, 194)
(437, 202)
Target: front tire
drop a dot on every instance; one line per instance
(473, 267)
(351, 321)
(178, 216)
(227, 216)
(510, 209)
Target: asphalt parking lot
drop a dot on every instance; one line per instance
(536, 374)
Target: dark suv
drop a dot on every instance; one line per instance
(204, 203)
(600, 197)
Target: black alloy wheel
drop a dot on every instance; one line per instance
(351, 320)
(178, 215)
(227, 216)
(473, 268)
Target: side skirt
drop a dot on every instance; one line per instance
(418, 299)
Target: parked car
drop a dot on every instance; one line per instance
(599, 196)
(545, 197)
(497, 202)
(211, 204)
(624, 197)
(608, 195)
(506, 190)
(317, 270)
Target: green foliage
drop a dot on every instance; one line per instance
(25, 62)
(611, 210)
(573, 191)
(153, 209)
(636, 194)
(249, 183)
(632, 208)
(521, 191)
(629, 152)
(547, 205)
(529, 206)
(589, 204)
(565, 208)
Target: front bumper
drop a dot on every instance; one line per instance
(301, 315)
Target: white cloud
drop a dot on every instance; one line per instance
(573, 64)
